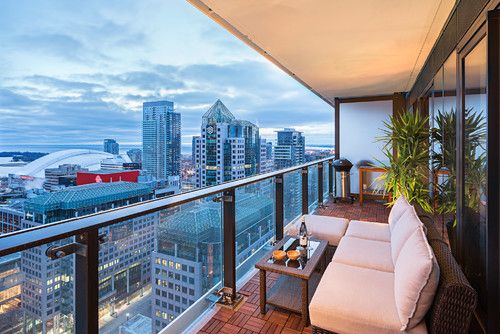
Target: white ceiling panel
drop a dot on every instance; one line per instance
(338, 48)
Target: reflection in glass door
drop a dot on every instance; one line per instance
(474, 214)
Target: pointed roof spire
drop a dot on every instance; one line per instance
(218, 113)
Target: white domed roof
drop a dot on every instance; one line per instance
(90, 159)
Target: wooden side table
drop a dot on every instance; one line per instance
(368, 169)
(298, 279)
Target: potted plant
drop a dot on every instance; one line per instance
(406, 147)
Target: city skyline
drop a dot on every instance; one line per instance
(77, 89)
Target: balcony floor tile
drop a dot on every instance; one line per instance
(248, 320)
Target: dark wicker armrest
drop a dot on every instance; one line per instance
(431, 232)
(455, 299)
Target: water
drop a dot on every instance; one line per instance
(49, 148)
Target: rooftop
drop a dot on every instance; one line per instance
(86, 195)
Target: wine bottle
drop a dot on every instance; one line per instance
(303, 233)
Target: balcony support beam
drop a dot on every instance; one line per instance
(87, 284)
(337, 128)
(320, 185)
(305, 191)
(229, 232)
(330, 177)
(279, 212)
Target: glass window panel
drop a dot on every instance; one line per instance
(152, 268)
(312, 178)
(475, 158)
(255, 223)
(292, 197)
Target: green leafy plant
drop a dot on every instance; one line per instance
(444, 155)
(406, 147)
(443, 137)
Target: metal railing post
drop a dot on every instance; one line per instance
(305, 191)
(320, 184)
(330, 177)
(229, 229)
(279, 214)
(87, 283)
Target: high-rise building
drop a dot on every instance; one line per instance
(135, 155)
(111, 146)
(47, 292)
(187, 260)
(161, 139)
(266, 162)
(290, 149)
(61, 177)
(227, 149)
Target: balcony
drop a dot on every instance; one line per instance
(142, 265)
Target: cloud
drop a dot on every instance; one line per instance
(86, 75)
(110, 105)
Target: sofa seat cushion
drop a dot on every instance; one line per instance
(416, 277)
(331, 229)
(364, 253)
(369, 230)
(356, 300)
(397, 210)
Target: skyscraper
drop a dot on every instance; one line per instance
(161, 139)
(266, 162)
(135, 155)
(228, 149)
(111, 146)
(290, 148)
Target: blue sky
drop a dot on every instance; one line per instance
(77, 72)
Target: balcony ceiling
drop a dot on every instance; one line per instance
(338, 48)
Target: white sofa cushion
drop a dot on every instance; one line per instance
(326, 228)
(398, 209)
(369, 230)
(416, 277)
(371, 254)
(407, 224)
(356, 300)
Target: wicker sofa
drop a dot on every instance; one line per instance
(363, 289)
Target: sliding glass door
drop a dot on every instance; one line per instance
(474, 218)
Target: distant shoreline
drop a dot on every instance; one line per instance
(50, 148)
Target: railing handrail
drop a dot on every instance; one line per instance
(39, 235)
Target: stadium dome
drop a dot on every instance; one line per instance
(90, 159)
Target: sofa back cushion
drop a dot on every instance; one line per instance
(403, 229)
(416, 278)
(398, 209)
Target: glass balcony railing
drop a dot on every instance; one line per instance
(154, 266)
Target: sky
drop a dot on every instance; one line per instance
(77, 72)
